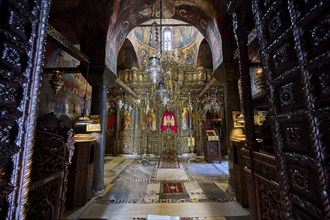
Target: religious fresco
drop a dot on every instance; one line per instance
(122, 21)
(127, 57)
(183, 36)
(185, 119)
(125, 16)
(151, 120)
(126, 120)
(185, 44)
(204, 55)
(69, 101)
(111, 119)
(215, 44)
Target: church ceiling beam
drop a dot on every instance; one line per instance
(62, 42)
(65, 70)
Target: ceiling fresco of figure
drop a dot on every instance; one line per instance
(204, 53)
(115, 19)
(125, 16)
(183, 36)
(127, 56)
(185, 42)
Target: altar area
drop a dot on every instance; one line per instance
(162, 135)
(166, 116)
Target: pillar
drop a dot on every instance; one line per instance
(99, 107)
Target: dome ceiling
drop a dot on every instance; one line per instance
(202, 14)
(183, 36)
(184, 47)
(115, 19)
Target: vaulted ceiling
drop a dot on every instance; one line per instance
(107, 24)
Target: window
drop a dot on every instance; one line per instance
(167, 39)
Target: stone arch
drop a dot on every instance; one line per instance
(203, 53)
(127, 57)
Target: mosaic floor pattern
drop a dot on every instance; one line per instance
(196, 191)
(144, 183)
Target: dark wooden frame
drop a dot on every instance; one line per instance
(22, 34)
(52, 154)
(294, 41)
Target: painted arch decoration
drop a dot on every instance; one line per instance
(125, 16)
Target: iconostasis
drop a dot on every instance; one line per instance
(166, 116)
(161, 122)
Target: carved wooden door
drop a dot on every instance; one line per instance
(22, 36)
(294, 38)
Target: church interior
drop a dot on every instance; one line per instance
(164, 109)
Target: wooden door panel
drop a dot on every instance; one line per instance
(294, 42)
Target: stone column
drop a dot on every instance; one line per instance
(99, 107)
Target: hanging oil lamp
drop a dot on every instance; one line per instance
(56, 82)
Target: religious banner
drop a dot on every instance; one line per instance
(169, 121)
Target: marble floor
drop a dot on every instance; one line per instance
(136, 189)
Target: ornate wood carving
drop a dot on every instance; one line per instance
(251, 194)
(294, 39)
(48, 155)
(44, 198)
(52, 155)
(22, 37)
(265, 165)
(246, 158)
(268, 196)
(251, 37)
(169, 140)
(212, 151)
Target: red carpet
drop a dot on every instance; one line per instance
(169, 161)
